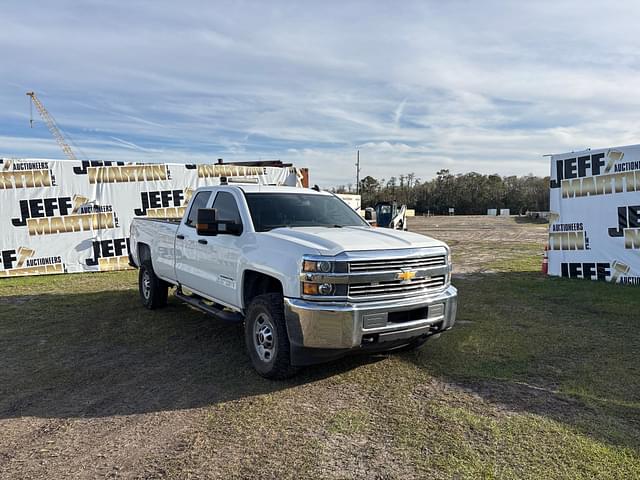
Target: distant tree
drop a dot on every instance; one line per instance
(469, 193)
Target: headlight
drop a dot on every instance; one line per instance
(324, 267)
(310, 288)
(317, 278)
(317, 288)
(313, 266)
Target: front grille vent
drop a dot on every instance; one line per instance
(397, 265)
(395, 288)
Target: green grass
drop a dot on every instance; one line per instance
(560, 355)
(518, 257)
(540, 378)
(348, 421)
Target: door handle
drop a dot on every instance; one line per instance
(180, 237)
(202, 241)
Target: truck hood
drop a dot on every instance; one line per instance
(332, 241)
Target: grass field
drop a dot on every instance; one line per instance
(540, 378)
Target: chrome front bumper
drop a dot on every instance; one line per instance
(339, 326)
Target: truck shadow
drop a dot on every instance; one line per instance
(102, 354)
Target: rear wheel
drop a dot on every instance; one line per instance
(153, 291)
(266, 337)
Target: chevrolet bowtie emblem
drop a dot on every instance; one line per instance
(406, 276)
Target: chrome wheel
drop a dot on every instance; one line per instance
(146, 285)
(263, 338)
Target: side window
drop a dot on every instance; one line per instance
(199, 201)
(226, 207)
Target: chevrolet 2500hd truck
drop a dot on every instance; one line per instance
(310, 279)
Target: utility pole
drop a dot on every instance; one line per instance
(358, 172)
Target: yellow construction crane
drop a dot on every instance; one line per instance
(51, 124)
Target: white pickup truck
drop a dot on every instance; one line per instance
(310, 279)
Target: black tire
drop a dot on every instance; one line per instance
(265, 327)
(153, 291)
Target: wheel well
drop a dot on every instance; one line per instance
(256, 283)
(144, 253)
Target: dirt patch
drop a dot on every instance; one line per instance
(513, 396)
(478, 242)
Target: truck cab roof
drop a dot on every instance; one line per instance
(256, 188)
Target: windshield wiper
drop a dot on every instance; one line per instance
(273, 227)
(325, 225)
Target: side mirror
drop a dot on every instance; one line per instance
(206, 222)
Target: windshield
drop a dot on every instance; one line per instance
(274, 210)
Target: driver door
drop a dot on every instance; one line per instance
(189, 271)
(219, 256)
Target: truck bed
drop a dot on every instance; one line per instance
(159, 235)
(173, 220)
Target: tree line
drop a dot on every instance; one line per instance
(468, 193)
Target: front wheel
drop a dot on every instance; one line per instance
(153, 291)
(266, 337)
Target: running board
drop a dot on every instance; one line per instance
(198, 302)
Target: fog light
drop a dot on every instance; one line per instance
(325, 288)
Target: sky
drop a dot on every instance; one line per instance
(415, 86)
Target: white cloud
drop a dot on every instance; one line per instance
(417, 86)
(133, 146)
(397, 114)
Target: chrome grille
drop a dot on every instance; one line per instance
(397, 265)
(395, 287)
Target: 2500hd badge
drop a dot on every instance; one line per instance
(308, 277)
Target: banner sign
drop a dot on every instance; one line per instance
(60, 216)
(594, 225)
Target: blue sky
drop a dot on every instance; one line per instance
(416, 86)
